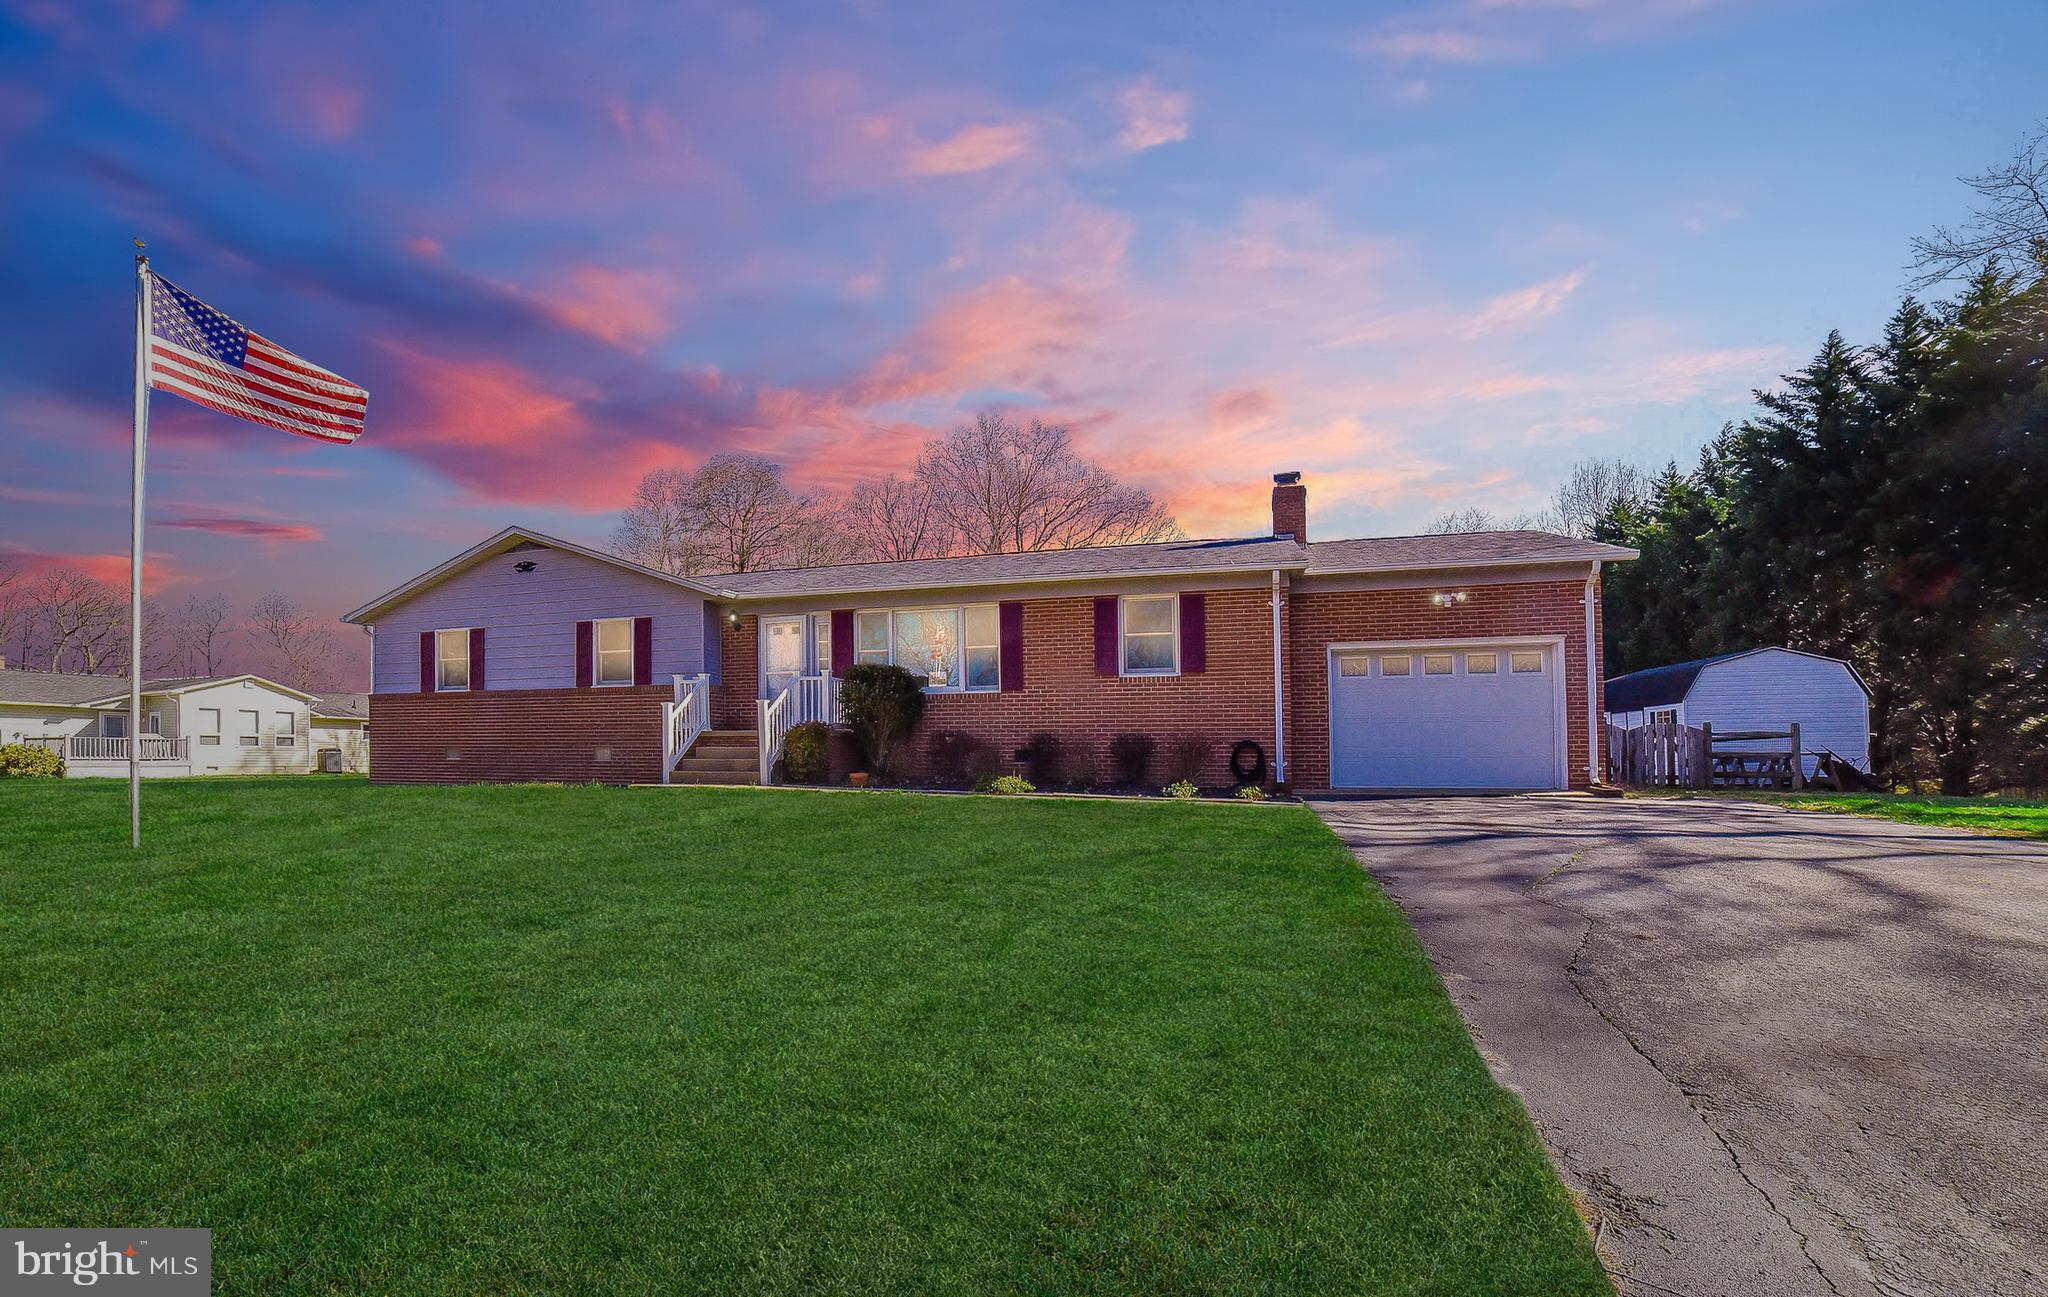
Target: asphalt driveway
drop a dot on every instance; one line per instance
(1776, 1052)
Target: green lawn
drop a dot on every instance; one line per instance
(579, 1040)
(2020, 819)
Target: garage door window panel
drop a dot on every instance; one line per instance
(1525, 663)
(1398, 665)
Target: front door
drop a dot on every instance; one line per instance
(783, 653)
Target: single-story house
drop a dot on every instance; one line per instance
(341, 724)
(1418, 662)
(1755, 689)
(195, 725)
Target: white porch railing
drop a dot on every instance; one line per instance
(805, 698)
(684, 719)
(155, 747)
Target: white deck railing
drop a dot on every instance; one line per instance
(155, 747)
(684, 719)
(805, 698)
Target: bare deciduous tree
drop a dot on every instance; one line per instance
(199, 637)
(895, 518)
(2011, 224)
(733, 514)
(1004, 489)
(1593, 489)
(75, 621)
(299, 647)
(13, 610)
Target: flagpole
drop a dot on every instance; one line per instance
(135, 549)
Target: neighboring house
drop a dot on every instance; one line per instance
(238, 724)
(341, 723)
(1455, 662)
(1757, 689)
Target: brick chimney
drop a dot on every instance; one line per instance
(1290, 506)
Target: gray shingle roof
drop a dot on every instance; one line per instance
(1459, 549)
(1162, 557)
(349, 706)
(56, 689)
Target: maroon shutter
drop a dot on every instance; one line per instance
(1010, 633)
(1105, 637)
(586, 655)
(476, 657)
(842, 640)
(1194, 634)
(426, 661)
(643, 650)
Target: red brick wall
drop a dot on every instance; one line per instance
(1231, 700)
(513, 735)
(1321, 618)
(739, 682)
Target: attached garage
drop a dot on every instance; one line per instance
(1478, 716)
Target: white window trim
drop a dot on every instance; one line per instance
(255, 740)
(462, 688)
(1173, 631)
(214, 733)
(959, 610)
(280, 738)
(597, 679)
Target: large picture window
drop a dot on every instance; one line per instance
(1151, 635)
(950, 649)
(451, 659)
(615, 651)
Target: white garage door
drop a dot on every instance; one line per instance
(1469, 716)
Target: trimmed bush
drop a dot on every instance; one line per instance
(1006, 784)
(1182, 790)
(1042, 758)
(29, 761)
(882, 705)
(807, 753)
(1130, 758)
(959, 758)
(1186, 759)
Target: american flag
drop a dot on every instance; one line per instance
(202, 355)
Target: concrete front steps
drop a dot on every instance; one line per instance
(720, 757)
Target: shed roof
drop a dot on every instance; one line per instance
(1664, 686)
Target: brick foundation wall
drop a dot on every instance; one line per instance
(515, 735)
(1319, 618)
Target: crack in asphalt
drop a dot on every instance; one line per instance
(1571, 969)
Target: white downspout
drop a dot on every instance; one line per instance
(1592, 681)
(1279, 691)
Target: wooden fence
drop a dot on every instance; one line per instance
(1665, 754)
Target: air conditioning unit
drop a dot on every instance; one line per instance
(330, 761)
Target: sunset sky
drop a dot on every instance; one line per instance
(1428, 253)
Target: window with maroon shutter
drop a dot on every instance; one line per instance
(586, 654)
(643, 650)
(1011, 614)
(1194, 634)
(476, 657)
(426, 662)
(1105, 637)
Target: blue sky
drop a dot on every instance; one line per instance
(1427, 253)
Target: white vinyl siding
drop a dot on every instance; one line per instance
(1771, 689)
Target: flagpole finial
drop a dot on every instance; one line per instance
(141, 251)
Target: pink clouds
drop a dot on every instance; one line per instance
(627, 308)
(1152, 115)
(158, 573)
(250, 528)
(971, 148)
(1511, 310)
